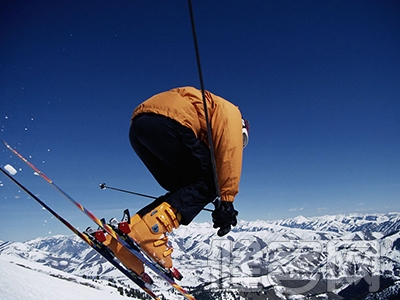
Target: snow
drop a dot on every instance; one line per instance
(31, 283)
(10, 169)
(253, 254)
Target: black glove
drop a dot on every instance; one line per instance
(224, 216)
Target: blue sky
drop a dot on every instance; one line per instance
(318, 80)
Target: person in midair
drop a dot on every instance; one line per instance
(169, 134)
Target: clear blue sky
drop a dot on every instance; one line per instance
(318, 80)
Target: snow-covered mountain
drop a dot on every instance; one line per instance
(330, 257)
(383, 223)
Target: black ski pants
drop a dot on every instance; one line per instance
(178, 160)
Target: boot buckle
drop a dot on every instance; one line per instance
(160, 242)
(172, 216)
(165, 222)
(168, 252)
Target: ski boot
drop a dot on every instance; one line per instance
(129, 260)
(149, 233)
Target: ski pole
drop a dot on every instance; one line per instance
(103, 186)
(217, 200)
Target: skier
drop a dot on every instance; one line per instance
(169, 134)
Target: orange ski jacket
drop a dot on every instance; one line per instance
(185, 105)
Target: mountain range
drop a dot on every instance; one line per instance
(354, 256)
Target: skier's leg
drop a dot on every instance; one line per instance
(178, 160)
(158, 143)
(181, 164)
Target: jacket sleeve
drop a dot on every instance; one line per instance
(226, 126)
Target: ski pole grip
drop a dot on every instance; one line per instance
(217, 202)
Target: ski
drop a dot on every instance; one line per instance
(92, 242)
(124, 240)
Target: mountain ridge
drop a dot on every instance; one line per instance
(325, 255)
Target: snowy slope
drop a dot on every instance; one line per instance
(21, 279)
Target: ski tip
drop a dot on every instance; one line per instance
(8, 145)
(103, 186)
